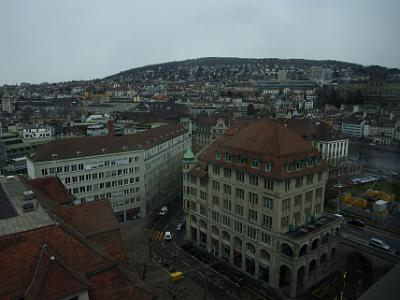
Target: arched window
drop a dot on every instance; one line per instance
(226, 236)
(250, 248)
(286, 250)
(312, 268)
(325, 239)
(265, 255)
(237, 241)
(303, 250)
(333, 252)
(314, 244)
(323, 258)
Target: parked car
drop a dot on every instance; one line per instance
(163, 211)
(356, 222)
(379, 244)
(179, 227)
(168, 236)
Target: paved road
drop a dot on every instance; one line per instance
(365, 234)
(171, 256)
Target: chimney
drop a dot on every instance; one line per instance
(110, 127)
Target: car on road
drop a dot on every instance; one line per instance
(168, 236)
(356, 222)
(179, 227)
(379, 244)
(163, 211)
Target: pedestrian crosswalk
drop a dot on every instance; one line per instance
(157, 235)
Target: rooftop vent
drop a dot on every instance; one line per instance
(124, 148)
(28, 195)
(27, 207)
(79, 153)
(54, 155)
(104, 150)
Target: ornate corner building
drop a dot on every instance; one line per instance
(255, 197)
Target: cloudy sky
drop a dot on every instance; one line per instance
(51, 40)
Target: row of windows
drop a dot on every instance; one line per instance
(241, 159)
(81, 167)
(298, 199)
(299, 181)
(88, 189)
(100, 175)
(253, 179)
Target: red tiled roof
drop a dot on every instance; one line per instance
(96, 221)
(267, 140)
(74, 259)
(53, 279)
(52, 188)
(89, 218)
(20, 252)
(94, 145)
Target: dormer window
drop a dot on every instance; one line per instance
(309, 162)
(317, 161)
(298, 164)
(255, 163)
(228, 157)
(289, 168)
(268, 166)
(242, 159)
(218, 156)
(54, 155)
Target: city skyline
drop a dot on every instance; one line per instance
(63, 41)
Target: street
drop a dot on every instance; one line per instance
(153, 259)
(365, 234)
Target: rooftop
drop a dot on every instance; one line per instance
(270, 143)
(100, 145)
(52, 187)
(310, 228)
(12, 199)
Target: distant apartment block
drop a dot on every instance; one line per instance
(37, 132)
(136, 172)
(351, 129)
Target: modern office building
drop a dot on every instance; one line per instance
(136, 172)
(255, 198)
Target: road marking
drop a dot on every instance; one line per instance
(157, 235)
(185, 263)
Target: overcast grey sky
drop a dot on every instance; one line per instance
(51, 40)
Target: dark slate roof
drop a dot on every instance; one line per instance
(7, 210)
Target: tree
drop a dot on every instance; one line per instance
(27, 113)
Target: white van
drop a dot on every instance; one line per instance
(379, 244)
(163, 211)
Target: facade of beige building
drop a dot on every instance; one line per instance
(255, 198)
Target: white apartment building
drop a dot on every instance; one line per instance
(37, 132)
(136, 172)
(255, 198)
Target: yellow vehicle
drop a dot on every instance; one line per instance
(176, 276)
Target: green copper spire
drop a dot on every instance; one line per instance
(188, 154)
